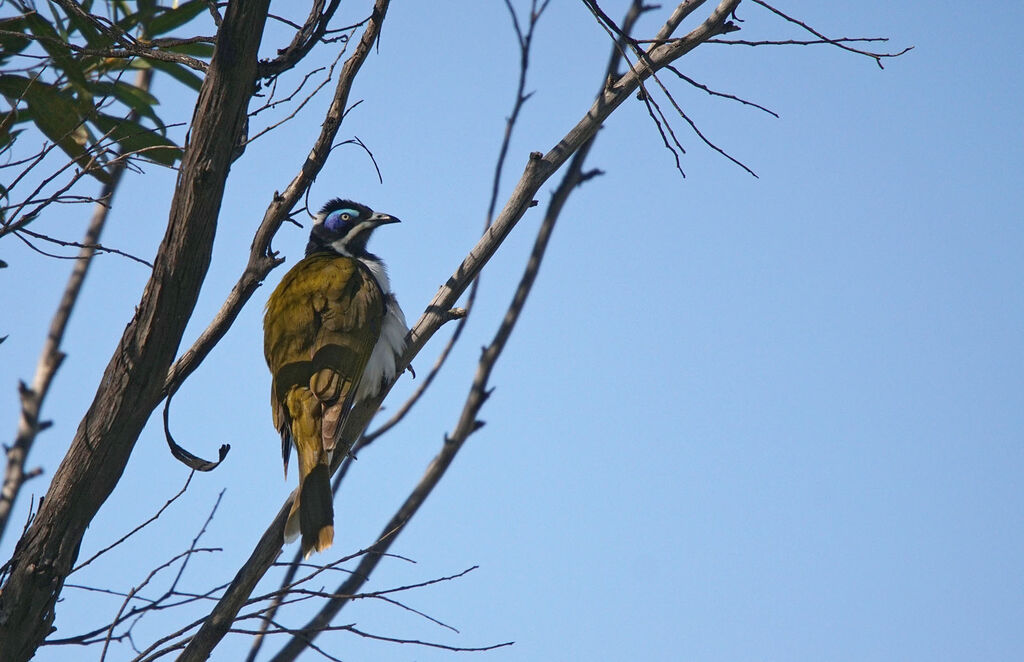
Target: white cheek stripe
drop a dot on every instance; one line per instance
(340, 245)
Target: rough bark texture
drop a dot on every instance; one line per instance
(133, 381)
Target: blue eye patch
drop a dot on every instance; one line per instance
(336, 219)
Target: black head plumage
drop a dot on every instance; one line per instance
(344, 227)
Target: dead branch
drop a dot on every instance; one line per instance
(840, 43)
(306, 36)
(301, 104)
(724, 95)
(105, 634)
(138, 528)
(95, 247)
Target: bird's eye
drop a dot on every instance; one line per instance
(345, 217)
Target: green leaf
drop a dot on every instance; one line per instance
(56, 48)
(179, 72)
(12, 44)
(134, 97)
(93, 37)
(58, 21)
(137, 99)
(13, 87)
(197, 49)
(56, 115)
(175, 18)
(7, 135)
(135, 138)
(129, 21)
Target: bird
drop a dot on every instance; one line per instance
(332, 335)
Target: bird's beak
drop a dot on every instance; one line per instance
(383, 219)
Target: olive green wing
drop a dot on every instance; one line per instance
(320, 326)
(351, 314)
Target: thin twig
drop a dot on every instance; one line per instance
(724, 95)
(128, 535)
(97, 248)
(840, 43)
(136, 589)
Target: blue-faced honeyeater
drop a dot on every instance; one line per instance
(332, 332)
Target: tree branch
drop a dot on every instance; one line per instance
(307, 36)
(839, 43)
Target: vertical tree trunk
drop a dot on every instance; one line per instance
(132, 383)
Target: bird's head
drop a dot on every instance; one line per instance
(344, 227)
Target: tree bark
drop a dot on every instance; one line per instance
(132, 384)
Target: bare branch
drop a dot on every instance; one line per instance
(96, 248)
(300, 106)
(351, 628)
(841, 43)
(800, 42)
(679, 14)
(150, 605)
(653, 109)
(307, 36)
(733, 97)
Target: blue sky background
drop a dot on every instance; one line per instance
(741, 419)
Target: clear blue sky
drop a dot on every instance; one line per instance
(741, 419)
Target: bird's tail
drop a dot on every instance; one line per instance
(316, 511)
(312, 513)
